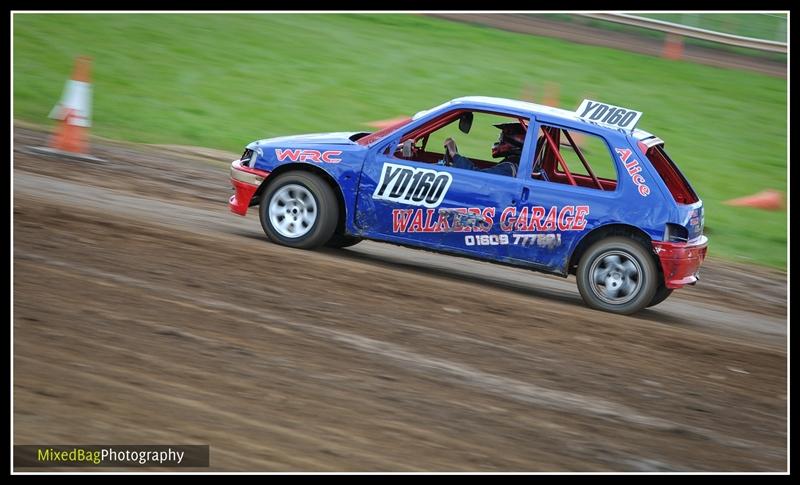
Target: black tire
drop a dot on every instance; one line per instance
(630, 281)
(304, 186)
(662, 293)
(342, 241)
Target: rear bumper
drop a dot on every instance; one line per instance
(245, 181)
(681, 261)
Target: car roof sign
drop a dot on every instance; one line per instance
(608, 115)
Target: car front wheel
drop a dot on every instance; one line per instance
(300, 210)
(617, 275)
(342, 241)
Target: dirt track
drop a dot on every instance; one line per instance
(144, 312)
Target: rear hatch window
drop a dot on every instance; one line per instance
(680, 189)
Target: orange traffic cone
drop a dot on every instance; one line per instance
(551, 95)
(527, 93)
(74, 111)
(69, 136)
(768, 200)
(673, 47)
(381, 124)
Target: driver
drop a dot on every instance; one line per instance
(508, 145)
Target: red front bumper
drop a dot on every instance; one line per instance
(681, 261)
(245, 182)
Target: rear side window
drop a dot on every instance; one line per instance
(673, 178)
(574, 158)
(595, 153)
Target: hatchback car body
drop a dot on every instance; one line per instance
(590, 195)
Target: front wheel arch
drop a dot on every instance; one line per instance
(337, 190)
(298, 210)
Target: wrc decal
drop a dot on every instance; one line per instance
(298, 155)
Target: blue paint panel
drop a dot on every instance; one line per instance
(345, 172)
(385, 219)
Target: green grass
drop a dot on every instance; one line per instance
(767, 26)
(760, 26)
(223, 80)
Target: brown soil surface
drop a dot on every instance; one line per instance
(146, 313)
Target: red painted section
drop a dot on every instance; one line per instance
(433, 125)
(557, 153)
(681, 261)
(581, 180)
(237, 164)
(240, 200)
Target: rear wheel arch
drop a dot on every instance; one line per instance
(618, 274)
(605, 231)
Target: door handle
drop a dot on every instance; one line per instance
(525, 193)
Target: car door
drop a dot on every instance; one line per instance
(398, 199)
(472, 207)
(433, 205)
(557, 206)
(423, 203)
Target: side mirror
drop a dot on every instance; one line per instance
(465, 122)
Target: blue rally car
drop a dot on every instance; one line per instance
(561, 192)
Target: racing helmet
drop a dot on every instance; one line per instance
(510, 141)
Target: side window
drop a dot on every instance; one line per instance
(575, 158)
(477, 141)
(477, 144)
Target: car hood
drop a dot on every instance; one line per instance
(339, 138)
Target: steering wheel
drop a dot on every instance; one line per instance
(448, 159)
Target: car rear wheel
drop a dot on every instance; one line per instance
(299, 210)
(617, 275)
(662, 293)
